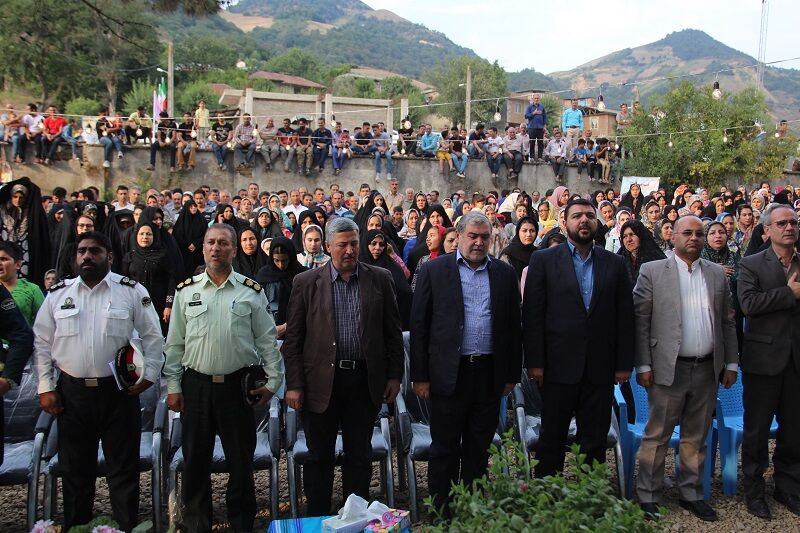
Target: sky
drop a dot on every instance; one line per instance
(502, 29)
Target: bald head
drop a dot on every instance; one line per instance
(688, 238)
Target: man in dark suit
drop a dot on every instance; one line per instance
(769, 291)
(578, 325)
(465, 352)
(343, 351)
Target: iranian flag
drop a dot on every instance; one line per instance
(159, 104)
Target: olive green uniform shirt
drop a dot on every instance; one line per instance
(217, 330)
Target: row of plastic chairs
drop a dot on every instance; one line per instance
(727, 431)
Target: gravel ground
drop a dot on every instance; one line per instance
(731, 509)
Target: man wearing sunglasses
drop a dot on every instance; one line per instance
(769, 290)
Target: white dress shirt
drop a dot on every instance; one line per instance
(79, 330)
(697, 325)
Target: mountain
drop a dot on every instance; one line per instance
(683, 52)
(344, 31)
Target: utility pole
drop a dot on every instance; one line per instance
(468, 103)
(170, 82)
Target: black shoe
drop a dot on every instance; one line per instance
(650, 510)
(758, 507)
(700, 509)
(790, 501)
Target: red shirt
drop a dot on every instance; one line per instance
(54, 125)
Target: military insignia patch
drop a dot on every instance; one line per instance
(146, 301)
(8, 304)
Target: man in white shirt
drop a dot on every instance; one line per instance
(79, 329)
(681, 357)
(556, 154)
(494, 151)
(295, 206)
(33, 122)
(122, 201)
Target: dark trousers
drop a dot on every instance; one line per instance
(156, 147)
(590, 405)
(462, 428)
(217, 409)
(49, 148)
(320, 155)
(559, 164)
(130, 134)
(350, 408)
(537, 137)
(765, 397)
(92, 414)
(513, 161)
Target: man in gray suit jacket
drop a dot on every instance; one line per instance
(685, 344)
(769, 292)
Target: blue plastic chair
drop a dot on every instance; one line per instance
(631, 437)
(730, 427)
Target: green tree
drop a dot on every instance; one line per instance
(141, 94)
(488, 83)
(394, 86)
(552, 107)
(187, 96)
(202, 53)
(82, 106)
(364, 88)
(296, 62)
(722, 144)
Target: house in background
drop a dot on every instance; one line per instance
(284, 83)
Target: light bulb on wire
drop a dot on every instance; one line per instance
(716, 94)
(670, 141)
(497, 115)
(725, 137)
(601, 105)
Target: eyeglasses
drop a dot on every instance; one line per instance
(783, 223)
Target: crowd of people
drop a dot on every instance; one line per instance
(306, 150)
(338, 275)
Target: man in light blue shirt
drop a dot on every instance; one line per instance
(572, 124)
(584, 271)
(429, 142)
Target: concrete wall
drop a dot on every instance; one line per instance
(419, 174)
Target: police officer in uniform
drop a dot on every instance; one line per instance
(80, 327)
(219, 327)
(16, 331)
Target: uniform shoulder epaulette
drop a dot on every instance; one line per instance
(252, 284)
(125, 280)
(185, 283)
(59, 285)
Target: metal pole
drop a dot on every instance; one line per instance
(468, 110)
(170, 82)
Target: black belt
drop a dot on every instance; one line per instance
(215, 378)
(89, 382)
(351, 364)
(702, 359)
(476, 357)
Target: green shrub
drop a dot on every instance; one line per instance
(82, 106)
(141, 94)
(516, 501)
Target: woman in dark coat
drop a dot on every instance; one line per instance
(276, 277)
(225, 214)
(189, 231)
(634, 200)
(250, 257)
(149, 263)
(265, 225)
(638, 247)
(374, 251)
(436, 216)
(518, 252)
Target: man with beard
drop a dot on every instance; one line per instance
(83, 323)
(575, 295)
